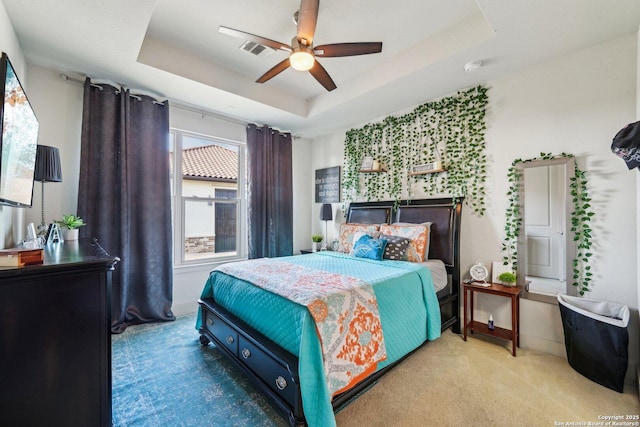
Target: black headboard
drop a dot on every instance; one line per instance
(366, 213)
(443, 214)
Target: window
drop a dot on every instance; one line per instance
(207, 202)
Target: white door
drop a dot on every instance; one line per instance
(544, 221)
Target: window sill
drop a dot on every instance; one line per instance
(204, 265)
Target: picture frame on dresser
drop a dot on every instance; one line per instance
(497, 268)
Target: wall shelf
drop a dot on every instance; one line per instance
(381, 170)
(427, 172)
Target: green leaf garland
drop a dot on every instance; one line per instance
(580, 220)
(453, 126)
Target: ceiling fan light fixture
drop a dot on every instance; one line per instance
(301, 60)
(301, 51)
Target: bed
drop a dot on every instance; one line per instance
(274, 342)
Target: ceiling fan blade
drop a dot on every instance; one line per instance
(347, 49)
(257, 39)
(277, 69)
(322, 76)
(307, 18)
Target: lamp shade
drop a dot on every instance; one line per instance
(48, 167)
(326, 212)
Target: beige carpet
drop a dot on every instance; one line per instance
(450, 382)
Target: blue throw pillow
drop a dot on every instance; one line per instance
(368, 247)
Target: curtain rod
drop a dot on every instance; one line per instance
(96, 85)
(71, 79)
(193, 109)
(185, 107)
(173, 103)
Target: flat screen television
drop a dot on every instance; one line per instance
(18, 140)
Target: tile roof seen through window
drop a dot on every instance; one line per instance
(211, 162)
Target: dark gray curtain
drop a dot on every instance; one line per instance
(124, 197)
(270, 192)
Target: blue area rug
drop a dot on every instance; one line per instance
(162, 376)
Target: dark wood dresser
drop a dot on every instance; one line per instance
(55, 338)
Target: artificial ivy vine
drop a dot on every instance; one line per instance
(580, 220)
(451, 128)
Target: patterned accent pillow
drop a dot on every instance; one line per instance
(419, 235)
(396, 248)
(347, 230)
(368, 247)
(428, 224)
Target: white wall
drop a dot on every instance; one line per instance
(325, 153)
(572, 104)
(58, 106)
(302, 197)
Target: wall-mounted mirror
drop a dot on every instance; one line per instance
(545, 243)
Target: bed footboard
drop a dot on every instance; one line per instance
(271, 369)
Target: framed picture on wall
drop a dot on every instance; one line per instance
(328, 185)
(367, 164)
(497, 269)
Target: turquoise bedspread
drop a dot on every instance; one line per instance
(407, 303)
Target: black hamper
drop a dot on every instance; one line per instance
(596, 338)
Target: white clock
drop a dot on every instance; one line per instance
(479, 272)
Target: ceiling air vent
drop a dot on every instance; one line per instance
(256, 49)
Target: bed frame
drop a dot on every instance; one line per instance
(274, 371)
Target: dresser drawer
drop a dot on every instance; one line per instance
(224, 333)
(269, 370)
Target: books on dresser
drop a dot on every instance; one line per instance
(16, 257)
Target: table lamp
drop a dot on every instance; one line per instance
(48, 169)
(326, 214)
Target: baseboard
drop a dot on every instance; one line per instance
(543, 345)
(184, 308)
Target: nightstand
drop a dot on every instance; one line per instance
(512, 292)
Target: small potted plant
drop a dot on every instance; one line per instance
(508, 278)
(316, 239)
(69, 226)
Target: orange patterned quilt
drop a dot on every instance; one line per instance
(344, 308)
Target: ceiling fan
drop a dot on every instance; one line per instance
(303, 53)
